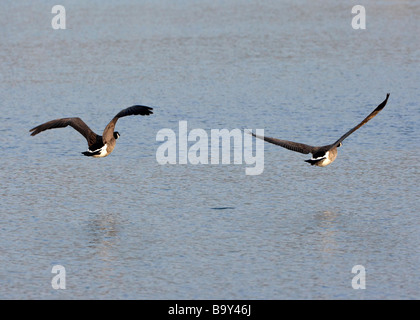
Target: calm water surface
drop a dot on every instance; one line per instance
(125, 227)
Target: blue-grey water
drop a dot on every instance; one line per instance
(126, 227)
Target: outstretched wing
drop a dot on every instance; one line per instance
(294, 146)
(134, 111)
(130, 111)
(76, 123)
(370, 116)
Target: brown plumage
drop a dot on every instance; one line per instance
(99, 146)
(323, 155)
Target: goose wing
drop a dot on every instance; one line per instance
(370, 116)
(77, 123)
(294, 146)
(130, 111)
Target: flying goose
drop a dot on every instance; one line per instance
(324, 155)
(99, 146)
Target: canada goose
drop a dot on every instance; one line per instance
(99, 146)
(324, 155)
